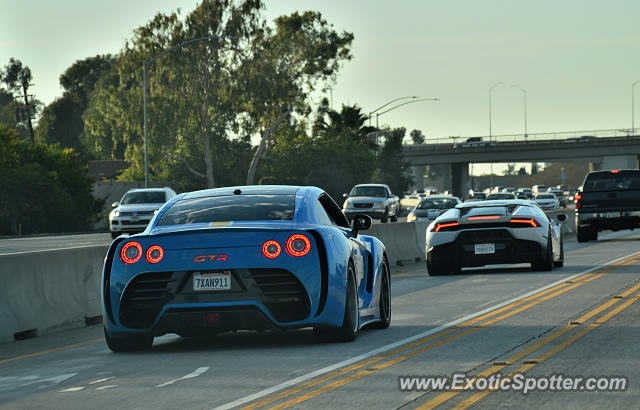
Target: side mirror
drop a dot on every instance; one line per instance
(115, 204)
(345, 195)
(561, 217)
(361, 223)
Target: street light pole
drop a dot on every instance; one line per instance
(386, 104)
(524, 94)
(490, 136)
(633, 100)
(144, 98)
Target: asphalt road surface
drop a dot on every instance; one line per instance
(579, 320)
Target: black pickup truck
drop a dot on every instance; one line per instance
(609, 200)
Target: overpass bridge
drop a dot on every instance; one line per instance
(604, 149)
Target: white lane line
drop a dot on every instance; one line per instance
(102, 380)
(197, 372)
(72, 389)
(383, 349)
(108, 386)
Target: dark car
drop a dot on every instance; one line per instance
(431, 207)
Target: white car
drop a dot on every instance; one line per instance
(547, 201)
(136, 209)
(483, 233)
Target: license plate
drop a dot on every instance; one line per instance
(485, 248)
(212, 280)
(612, 214)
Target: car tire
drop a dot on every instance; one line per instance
(594, 234)
(560, 263)
(385, 298)
(351, 319)
(114, 235)
(385, 216)
(439, 268)
(545, 263)
(132, 343)
(394, 218)
(583, 234)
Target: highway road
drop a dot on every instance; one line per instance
(45, 243)
(579, 320)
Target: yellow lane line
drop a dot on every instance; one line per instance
(339, 383)
(57, 349)
(444, 397)
(375, 359)
(552, 352)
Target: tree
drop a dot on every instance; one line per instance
(61, 121)
(45, 189)
(417, 137)
(227, 88)
(393, 171)
(18, 80)
(335, 158)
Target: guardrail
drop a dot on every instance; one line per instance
(51, 290)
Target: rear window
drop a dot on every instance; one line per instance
(546, 196)
(602, 181)
(378, 191)
(230, 208)
(144, 197)
(437, 203)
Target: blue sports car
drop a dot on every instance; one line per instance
(245, 258)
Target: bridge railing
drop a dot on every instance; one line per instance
(542, 136)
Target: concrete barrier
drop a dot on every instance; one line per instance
(400, 241)
(50, 290)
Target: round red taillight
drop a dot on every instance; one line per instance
(131, 252)
(298, 245)
(271, 249)
(154, 254)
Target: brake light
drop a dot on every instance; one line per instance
(531, 222)
(474, 218)
(154, 254)
(271, 249)
(615, 171)
(576, 200)
(298, 245)
(131, 252)
(447, 225)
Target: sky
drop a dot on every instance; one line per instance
(576, 60)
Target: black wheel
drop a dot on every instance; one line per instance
(114, 235)
(385, 217)
(351, 320)
(385, 298)
(560, 263)
(545, 263)
(394, 218)
(133, 343)
(583, 234)
(594, 234)
(438, 268)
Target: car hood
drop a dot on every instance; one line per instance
(138, 207)
(365, 199)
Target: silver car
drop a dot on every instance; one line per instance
(136, 209)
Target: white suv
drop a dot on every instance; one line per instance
(136, 209)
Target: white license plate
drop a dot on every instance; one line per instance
(612, 214)
(485, 248)
(212, 280)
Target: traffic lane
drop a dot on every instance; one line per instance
(610, 350)
(279, 357)
(477, 348)
(46, 243)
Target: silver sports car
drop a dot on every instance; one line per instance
(494, 232)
